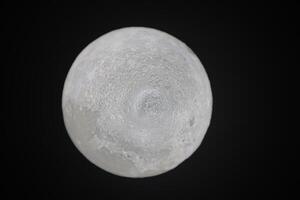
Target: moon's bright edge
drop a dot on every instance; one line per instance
(137, 102)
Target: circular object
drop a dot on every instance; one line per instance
(137, 102)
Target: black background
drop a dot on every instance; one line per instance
(238, 46)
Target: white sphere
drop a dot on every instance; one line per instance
(137, 102)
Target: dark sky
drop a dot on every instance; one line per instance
(238, 46)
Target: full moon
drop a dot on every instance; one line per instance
(137, 102)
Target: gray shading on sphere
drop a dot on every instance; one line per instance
(137, 102)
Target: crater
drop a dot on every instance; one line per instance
(150, 103)
(192, 121)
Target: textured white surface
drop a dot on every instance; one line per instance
(137, 102)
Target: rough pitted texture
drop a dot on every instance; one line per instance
(137, 102)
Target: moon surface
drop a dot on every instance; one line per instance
(137, 102)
